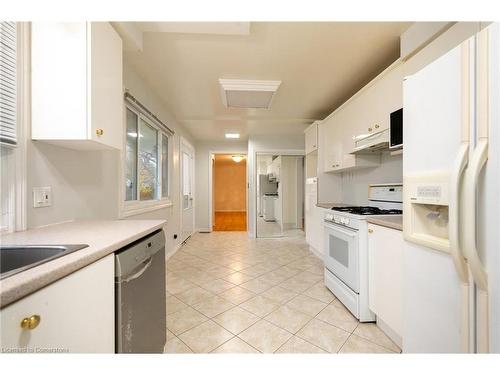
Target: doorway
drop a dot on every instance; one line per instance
(187, 194)
(229, 187)
(279, 195)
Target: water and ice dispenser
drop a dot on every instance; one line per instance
(426, 209)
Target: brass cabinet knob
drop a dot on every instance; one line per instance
(370, 129)
(377, 126)
(370, 230)
(99, 132)
(30, 323)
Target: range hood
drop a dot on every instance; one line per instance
(371, 143)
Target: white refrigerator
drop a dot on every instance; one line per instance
(451, 262)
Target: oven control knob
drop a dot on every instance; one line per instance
(346, 221)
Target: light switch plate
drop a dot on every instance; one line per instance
(42, 196)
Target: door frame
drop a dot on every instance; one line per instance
(252, 187)
(183, 142)
(211, 156)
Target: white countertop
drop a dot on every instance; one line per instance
(103, 237)
(393, 221)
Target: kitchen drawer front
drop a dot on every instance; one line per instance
(76, 314)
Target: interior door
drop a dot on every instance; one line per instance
(187, 187)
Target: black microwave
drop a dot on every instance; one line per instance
(396, 130)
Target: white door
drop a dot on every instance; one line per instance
(187, 189)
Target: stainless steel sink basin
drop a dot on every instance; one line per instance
(15, 259)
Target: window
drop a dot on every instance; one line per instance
(146, 159)
(8, 122)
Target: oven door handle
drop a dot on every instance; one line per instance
(338, 228)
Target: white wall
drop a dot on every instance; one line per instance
(86, 184)
(355, 184)
(201, 203)
(273, 144)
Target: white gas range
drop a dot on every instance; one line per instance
(346, 246)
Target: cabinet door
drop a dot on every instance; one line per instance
(311, 138)
(106, 87)
(59, 80)
(76, 314)
(332, 145)
(385, 262)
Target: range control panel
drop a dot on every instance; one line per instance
(386, 192)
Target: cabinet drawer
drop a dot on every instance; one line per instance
(76, 314)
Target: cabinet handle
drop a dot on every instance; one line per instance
(370, 129)
(99, 132)
(377, 126)
(30, 323)
(370, 230)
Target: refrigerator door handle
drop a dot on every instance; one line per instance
(454, 214)
(478, 271)
(455, 248)
(477, 162)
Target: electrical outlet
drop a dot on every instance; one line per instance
(42, 196)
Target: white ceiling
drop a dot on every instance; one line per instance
(320, 64)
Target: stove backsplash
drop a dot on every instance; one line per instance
(355, 183)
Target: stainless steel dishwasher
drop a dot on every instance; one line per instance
(141, 296)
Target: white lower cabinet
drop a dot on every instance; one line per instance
(76, 314)
(385, 258)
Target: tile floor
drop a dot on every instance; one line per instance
(227, 293)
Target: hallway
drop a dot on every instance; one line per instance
(227, 293)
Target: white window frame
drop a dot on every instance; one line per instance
(136, 207)
(16, 159)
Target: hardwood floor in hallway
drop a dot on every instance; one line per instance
(230, 221)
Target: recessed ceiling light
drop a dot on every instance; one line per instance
(237, 158)
(233, 135)
(240, 93)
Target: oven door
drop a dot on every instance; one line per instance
(341, 254)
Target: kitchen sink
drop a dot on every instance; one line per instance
(18, 258)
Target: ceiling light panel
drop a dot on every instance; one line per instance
(237, 93)
(232, 135)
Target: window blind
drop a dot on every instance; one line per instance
(8, 83)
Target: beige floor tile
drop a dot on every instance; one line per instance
(254, 271)
(178, 285)
(320, 292)
(265, 336)
(356, 344)
(183, 320)
(287, 318)
(176, 346)
(220, 272)
(371, 332)
(337, 315)
(256, 286)
(237, 278)
(236, 320)
(205, 337)
(272, 278)
(194, 295)
(236, 346)
(237, 295)
(260, 306)
(279, 294)
(299, 346)
(213, 306)
(296, 285)
(218, 286)
(307, 305)
(174, 304)
(309, 277)
(170, 335)
(237, 266)
(324, 335)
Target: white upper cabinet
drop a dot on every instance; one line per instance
(311, 138)
(77, 89)
(368, 111)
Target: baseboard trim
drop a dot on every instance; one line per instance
(316, 252)
(203, 230)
